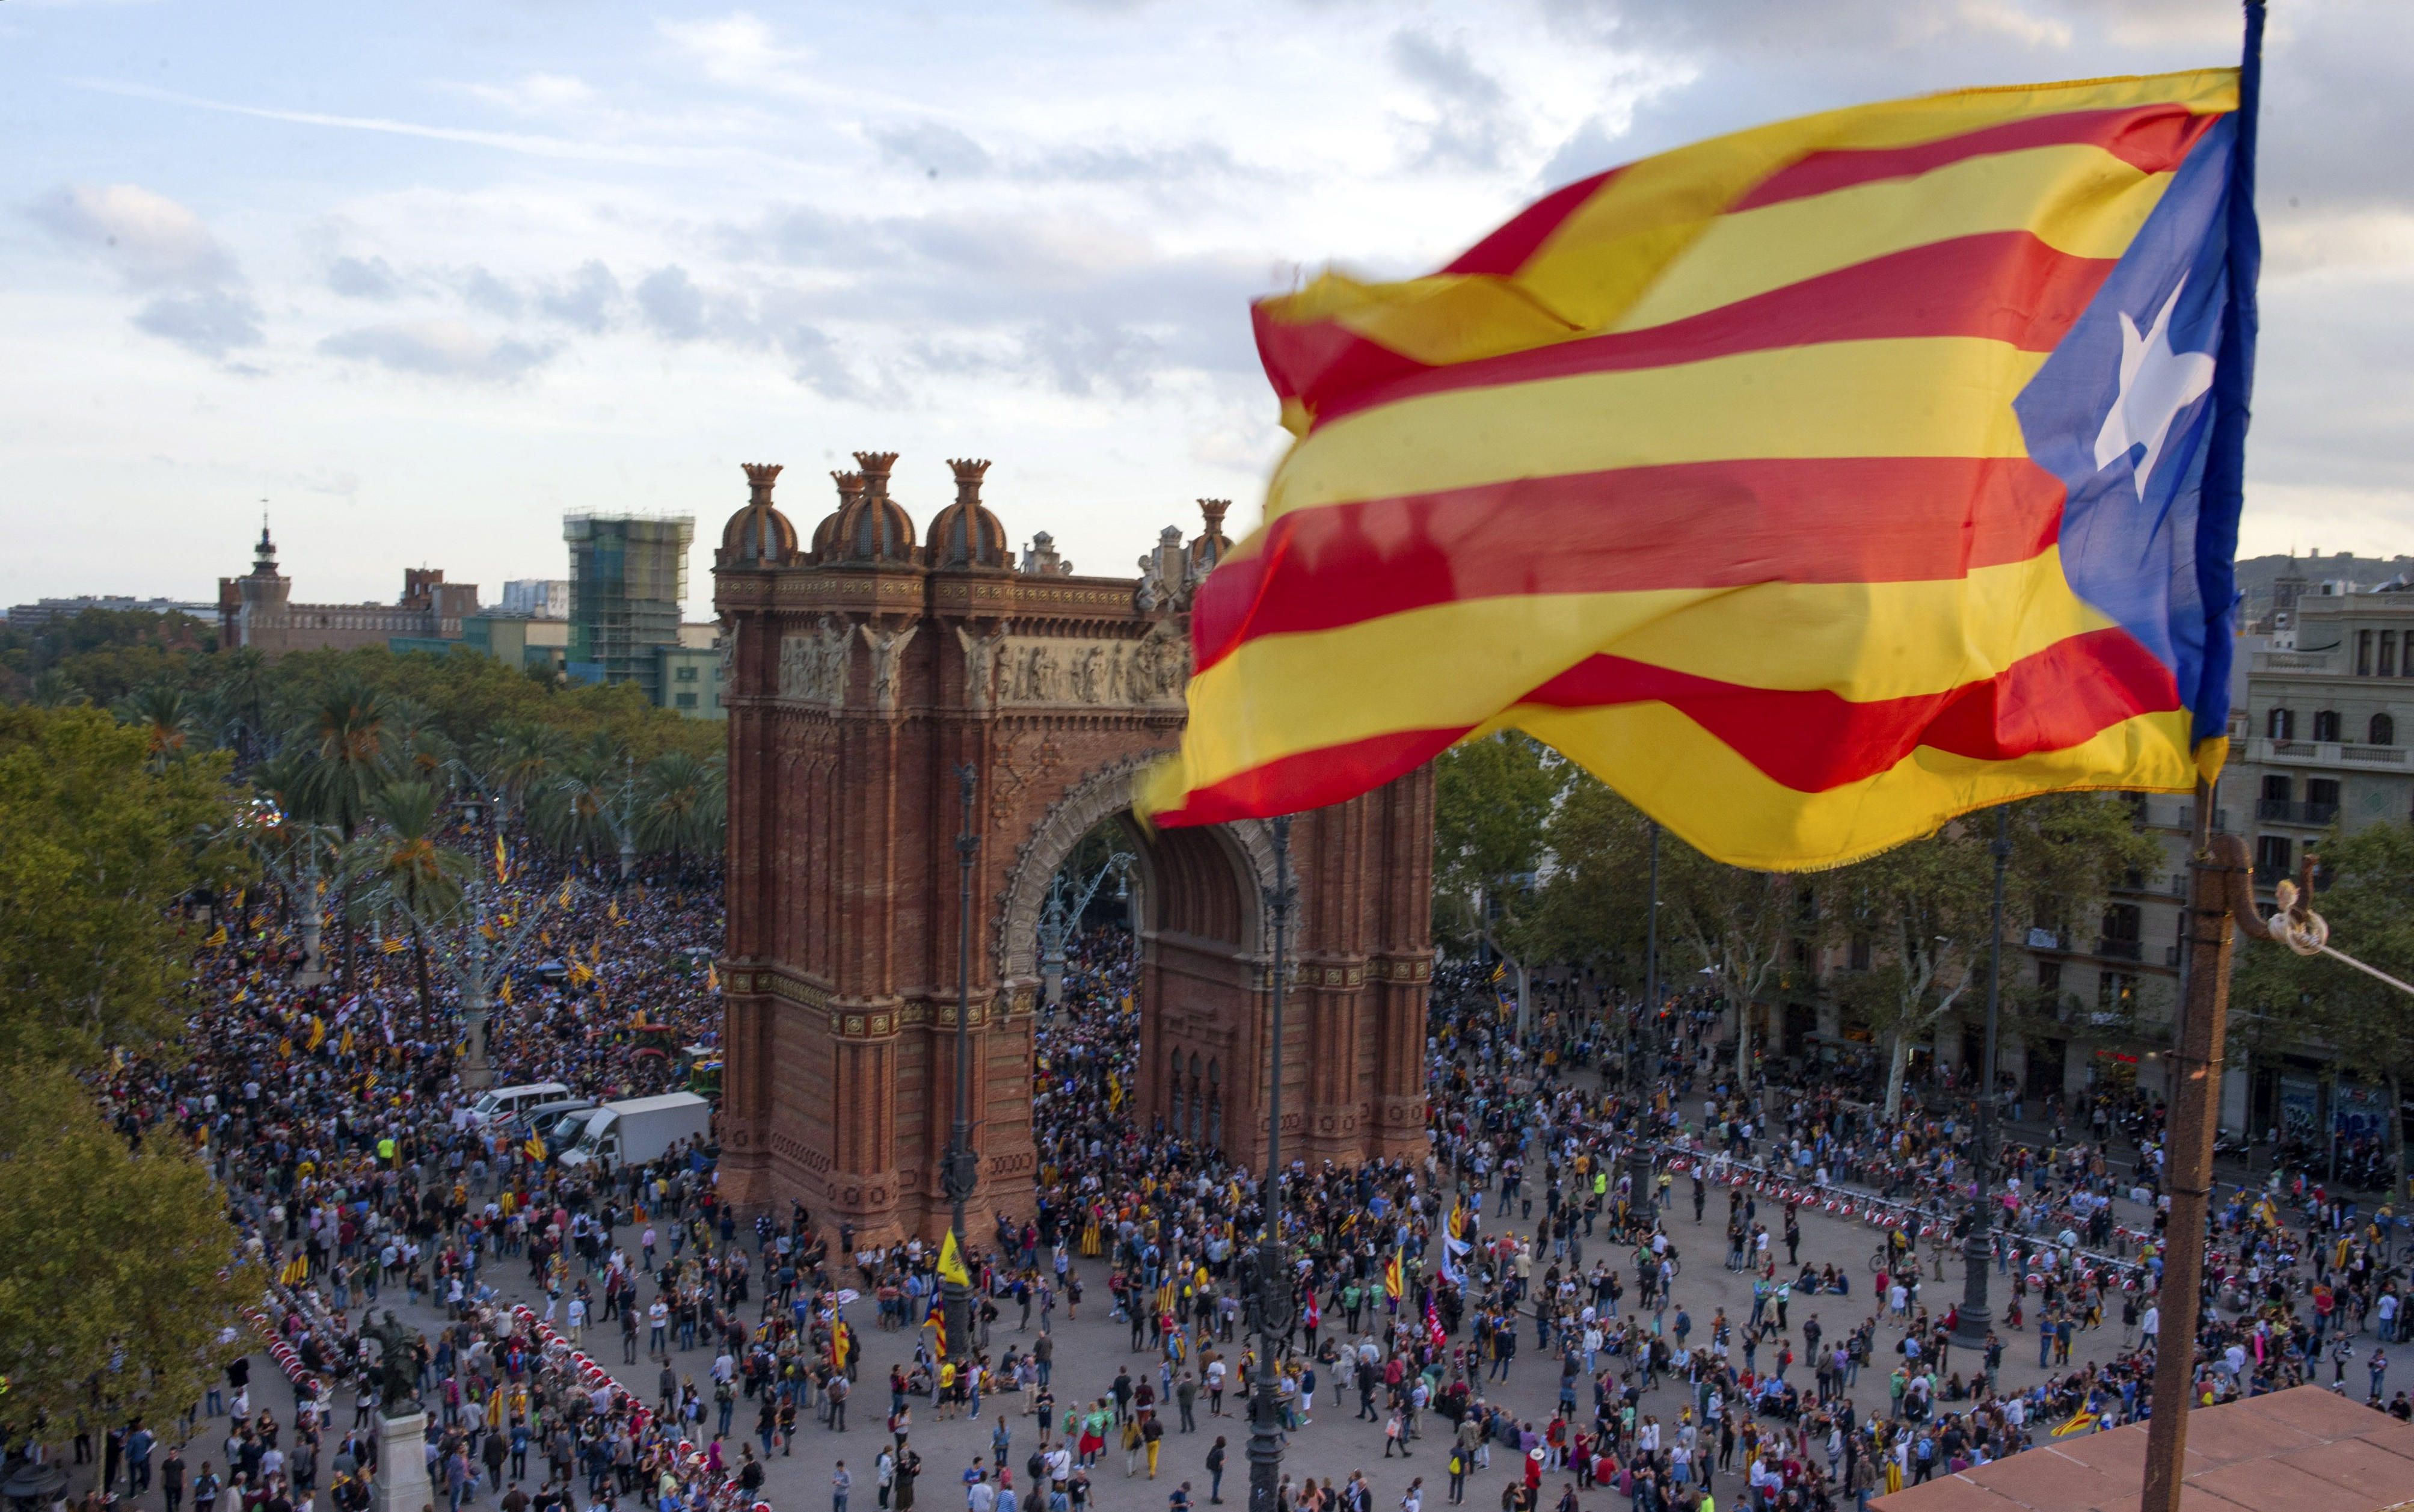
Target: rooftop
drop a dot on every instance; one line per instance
(2306, 1450)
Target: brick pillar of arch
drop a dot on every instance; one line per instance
(841, 966)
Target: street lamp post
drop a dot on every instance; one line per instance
(961, 1171)
(1273, 1288)
(1638, 1161)
(1977, 1319)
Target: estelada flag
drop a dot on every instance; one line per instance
(951, 1261)
(1808, 485)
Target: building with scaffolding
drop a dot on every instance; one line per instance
(627, 574)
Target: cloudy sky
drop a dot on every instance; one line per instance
(426, 277)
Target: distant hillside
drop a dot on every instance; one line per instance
(2256, 575)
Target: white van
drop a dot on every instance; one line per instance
(501, 1104)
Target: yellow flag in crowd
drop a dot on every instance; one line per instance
(711, 978)
(296, 1271)
(502, 866)
(1394, 1284)
(504, 992)
(394, 945)
(951, 1261)
(317, 1031)
(613, 911)
(344, 1046)
(218, 937)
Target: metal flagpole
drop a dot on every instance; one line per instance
(1271, 1287)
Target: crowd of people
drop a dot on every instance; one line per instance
(335, 1117)
(329, 1106)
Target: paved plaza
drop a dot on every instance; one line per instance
(1091, 1350)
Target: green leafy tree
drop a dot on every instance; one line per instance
(1590, 910)
(1493, 798)
(1733, 926)
(2367, 1025)
(96, 847)
(1924, 908)
(110, 1259)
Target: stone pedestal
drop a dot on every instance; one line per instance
(402, 1483)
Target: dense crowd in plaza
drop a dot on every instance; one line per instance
(672, 1350)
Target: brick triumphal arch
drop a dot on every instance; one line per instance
(862, 666)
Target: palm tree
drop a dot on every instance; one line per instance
(422, 747)
(241, 695)
(55, 689)
(280, 780)
(398, 868)
(167, 717)
(518, 761)
(683, 805)
(348, 741)
(584, 806)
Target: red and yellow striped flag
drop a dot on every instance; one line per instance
(1810, 485)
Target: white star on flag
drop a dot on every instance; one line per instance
(2156, 384)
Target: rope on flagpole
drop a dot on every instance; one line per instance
(2308, 933)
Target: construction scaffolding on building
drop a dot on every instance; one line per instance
(628, 576)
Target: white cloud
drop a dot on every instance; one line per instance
(159, 248)
(213, 323)
(437, 348)
(148, 239)
(570, 148)
(535, 94)
(357, 278)
(739, 49)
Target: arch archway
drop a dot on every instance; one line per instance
(857, 688)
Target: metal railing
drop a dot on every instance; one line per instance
(2284, 811)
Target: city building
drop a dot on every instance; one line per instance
(519, 640)
(536, 598)
(256, 610)
(43, 613)
(627, 574)
(2324, 738)
(689, 677)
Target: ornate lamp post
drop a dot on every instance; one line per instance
(1272, 1281)
(1638, 1160)
(1977, 1318)
(960, 1173)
